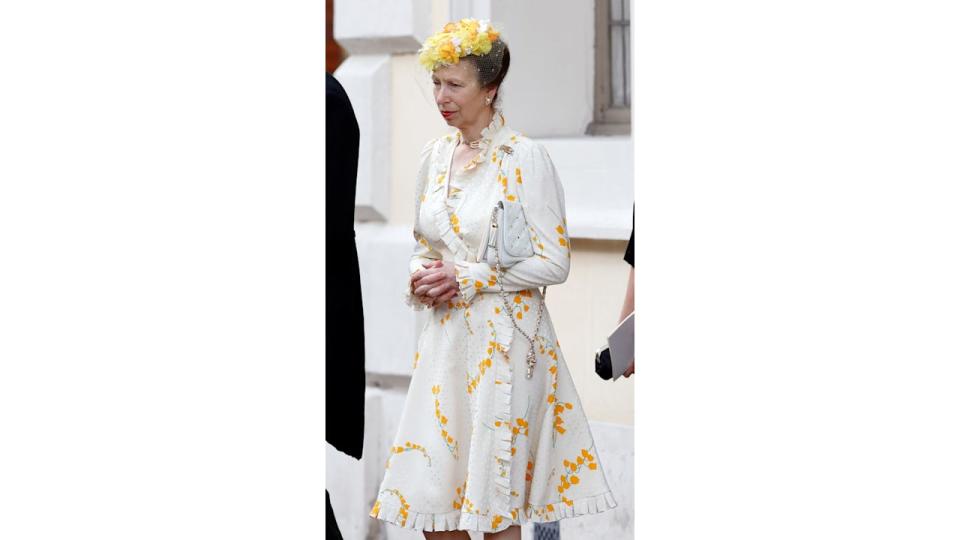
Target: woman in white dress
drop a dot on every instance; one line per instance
(487, 439)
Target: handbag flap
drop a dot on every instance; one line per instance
(516, 237)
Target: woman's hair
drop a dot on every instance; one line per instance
(492, 67)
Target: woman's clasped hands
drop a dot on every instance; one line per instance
(435, 283)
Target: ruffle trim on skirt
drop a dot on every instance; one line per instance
(390, 511)
(502, 454)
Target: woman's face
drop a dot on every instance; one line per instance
(458, 94)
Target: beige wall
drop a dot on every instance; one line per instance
(415, 121)
(585, 310)
(548, 91)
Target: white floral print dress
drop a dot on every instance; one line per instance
(480, 446)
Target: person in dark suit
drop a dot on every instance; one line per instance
(346, 377)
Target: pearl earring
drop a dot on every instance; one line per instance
(489, 99)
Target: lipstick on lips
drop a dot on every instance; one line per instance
(446, 114)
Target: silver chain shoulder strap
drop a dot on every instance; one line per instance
(531, 355)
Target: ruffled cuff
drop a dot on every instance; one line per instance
(465, 282)
(411, 300)
(473, 278)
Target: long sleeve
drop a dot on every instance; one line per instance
(422, 252)
(534, 182)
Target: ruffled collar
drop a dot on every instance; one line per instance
(487, 134)
(486, 138)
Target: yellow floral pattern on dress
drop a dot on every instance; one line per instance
(518, 427)
(509, 196)
(543, 512)
(564, 237)
(458, 305)
(493, 345)
(466, 319)
(559, 407)
(472, 382)
(455, 223)
(521, 301)
(462, 502)
(538, 246)
(558, 410)
(448, 439)
(572, 469)
(408, 447)
(422, 241)
(404, 506)
(514, 512)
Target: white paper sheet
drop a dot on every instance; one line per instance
(621, 347)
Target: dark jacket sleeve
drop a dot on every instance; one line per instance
(345, 369)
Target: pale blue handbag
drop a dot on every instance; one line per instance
(508, 231)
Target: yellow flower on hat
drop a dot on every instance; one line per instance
(448, 53)
(456, 40)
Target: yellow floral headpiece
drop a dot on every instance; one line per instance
(456, 40)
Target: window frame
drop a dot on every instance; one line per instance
(607, 119)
